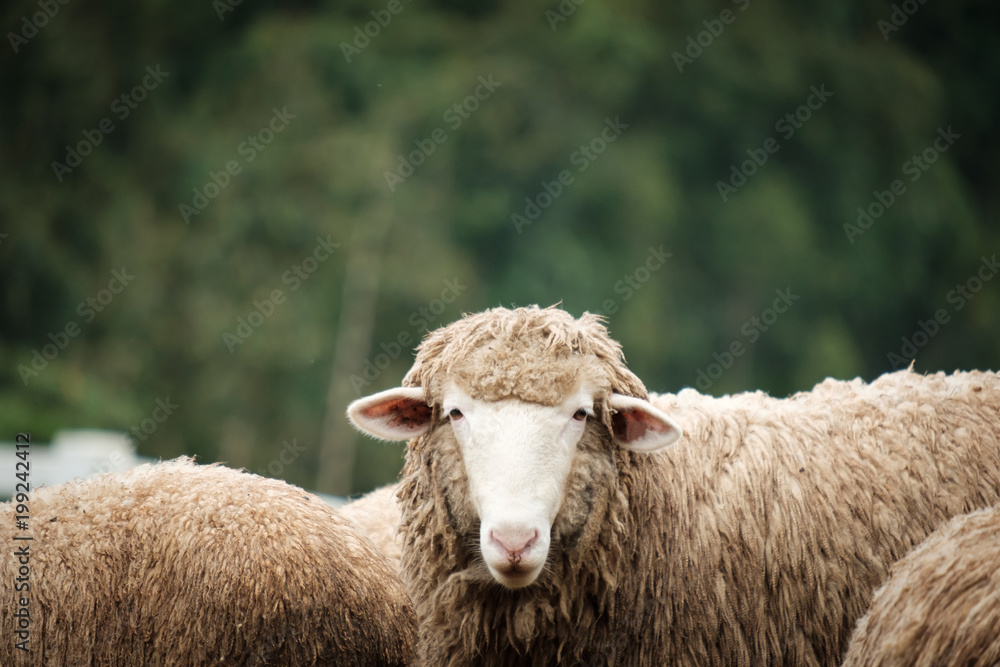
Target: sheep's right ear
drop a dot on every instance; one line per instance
(394, 414)
(640, 427)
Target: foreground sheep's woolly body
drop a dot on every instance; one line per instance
(758, 539)
(179, 564)
(941, 607)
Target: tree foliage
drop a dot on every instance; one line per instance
(671, 165)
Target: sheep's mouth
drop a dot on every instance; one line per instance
(512, 569)
(515, 576)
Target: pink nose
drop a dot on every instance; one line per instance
(514, 542)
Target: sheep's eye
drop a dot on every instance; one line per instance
(455, 414)
(580, 415)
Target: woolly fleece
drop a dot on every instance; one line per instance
(535, 355)
(941, 607)
(757, 539)
(376, 516)
(179, 564)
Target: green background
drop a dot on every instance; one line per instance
(697, 84)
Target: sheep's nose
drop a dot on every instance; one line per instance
(514, 542)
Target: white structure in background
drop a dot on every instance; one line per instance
(80, 453)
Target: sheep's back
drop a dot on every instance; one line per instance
(941, 605)
(788, 513)
(376, 515)
(175, 563)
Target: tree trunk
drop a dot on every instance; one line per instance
(353, 343)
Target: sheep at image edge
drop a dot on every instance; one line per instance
(179, 564)
(551, 512)
(941, 605)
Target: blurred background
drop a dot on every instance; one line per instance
(221, 221)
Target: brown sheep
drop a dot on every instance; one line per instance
(941, 607)
(546, 518)
(180, 564)
(376, 516)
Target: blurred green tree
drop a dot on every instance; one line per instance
(531, 160)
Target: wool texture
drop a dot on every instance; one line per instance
(180, 564)
(376, 516)
(756, 540)
(532, 354)
(941, 606)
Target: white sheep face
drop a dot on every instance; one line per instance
(517, 456)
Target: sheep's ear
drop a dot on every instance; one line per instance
(394, 414)
(641, 427)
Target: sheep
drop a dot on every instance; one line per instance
(941, 606)
(376, 516)
(181, 564)
(546, 518)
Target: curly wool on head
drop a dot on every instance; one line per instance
(538, 355)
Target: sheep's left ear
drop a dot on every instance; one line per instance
(640, 427)
(394, 414)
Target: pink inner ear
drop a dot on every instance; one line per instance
(632, 425)
(403, 413)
